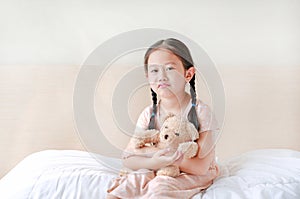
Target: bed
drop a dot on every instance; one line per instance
(259, 174)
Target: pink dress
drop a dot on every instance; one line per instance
(144, 184)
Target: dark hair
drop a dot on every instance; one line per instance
(182, 52)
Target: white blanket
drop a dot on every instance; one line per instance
(72, 174)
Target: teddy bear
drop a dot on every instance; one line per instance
(175, 134)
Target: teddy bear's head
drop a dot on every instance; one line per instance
(175, 130)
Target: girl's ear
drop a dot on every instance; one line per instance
(189, 74)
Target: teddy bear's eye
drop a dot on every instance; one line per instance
(166, 127)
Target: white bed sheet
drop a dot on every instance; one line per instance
(260, 174)
(64, 174)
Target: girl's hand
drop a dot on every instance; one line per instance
(161, 159)
(179, 160)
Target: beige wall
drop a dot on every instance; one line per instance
(262, 110)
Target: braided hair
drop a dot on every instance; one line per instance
(182, 52)
(151, 124)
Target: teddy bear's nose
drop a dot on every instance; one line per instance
(166, 137)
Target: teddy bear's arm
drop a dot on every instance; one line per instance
(148, 137)
(189, 149)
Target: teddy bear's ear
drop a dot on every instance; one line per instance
(192, 130)
(169, 116)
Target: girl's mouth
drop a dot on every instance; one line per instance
(164, 85)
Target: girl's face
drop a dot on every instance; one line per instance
(166, 74)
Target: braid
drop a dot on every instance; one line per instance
(192, 115)
(154, 109)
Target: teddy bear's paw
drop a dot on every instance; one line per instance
(172, 171)
(146, 138)
(139, 144)
(189, 149)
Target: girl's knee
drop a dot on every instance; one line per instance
(109, 196)
(162, 183)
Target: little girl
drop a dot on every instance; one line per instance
(169, 67)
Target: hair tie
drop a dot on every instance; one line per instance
(153, 114)
(193, 105)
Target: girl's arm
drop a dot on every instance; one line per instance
(157, 161)
(148, 157)
(199, 165)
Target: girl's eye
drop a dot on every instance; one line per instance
(154, 71)
(170, 68)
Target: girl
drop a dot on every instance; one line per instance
(169, 67)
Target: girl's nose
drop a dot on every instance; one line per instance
(163, 76)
